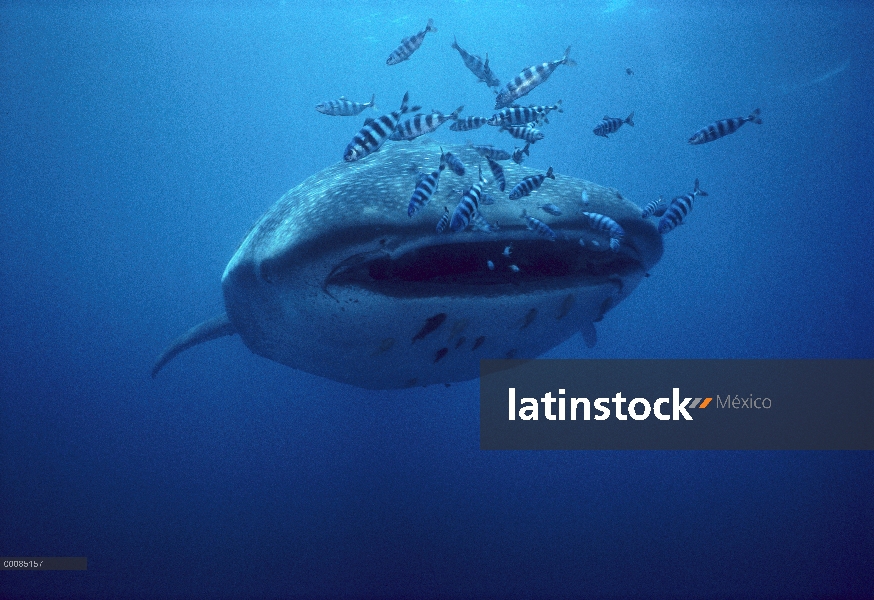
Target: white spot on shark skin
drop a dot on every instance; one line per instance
(335, 279)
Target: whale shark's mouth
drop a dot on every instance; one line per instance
(482, 267)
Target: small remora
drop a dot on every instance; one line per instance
(336, 280)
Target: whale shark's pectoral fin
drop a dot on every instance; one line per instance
(214, 328)
(590, 336)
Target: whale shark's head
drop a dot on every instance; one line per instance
(335, 279)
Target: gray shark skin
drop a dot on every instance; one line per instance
(336, 280)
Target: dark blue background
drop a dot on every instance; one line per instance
(139, 141)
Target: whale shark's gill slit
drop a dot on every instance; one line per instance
(529, 318)
(566, 306)
(606, 305)
(462, 268)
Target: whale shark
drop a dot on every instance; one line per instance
(335, 279)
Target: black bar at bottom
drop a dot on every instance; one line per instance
(44, 563)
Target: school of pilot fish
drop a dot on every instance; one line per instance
(520, 122)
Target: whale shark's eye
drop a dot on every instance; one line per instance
(463, 268)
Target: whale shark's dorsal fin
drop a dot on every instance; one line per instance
(208, 330)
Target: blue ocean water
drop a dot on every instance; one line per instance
(139, 142)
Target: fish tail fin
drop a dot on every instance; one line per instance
(550, 174)
(456, 112)
(372, 103)
(526, 149)
(566, 59)
(455, 45)
(755, 118)
(698, 190)
(630, 119)
(558, 107)
(430, 25)
(208, 330)
(405, 103)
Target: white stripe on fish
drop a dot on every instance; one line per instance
(344, 107)
(409, 45)
(680, 207)
(422, 124)
(529, 79)
(375, 132)
(529, 184)
(612, 125)
(718, 129)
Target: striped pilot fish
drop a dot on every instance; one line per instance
(498, 172)
(529, 79)
(478, 223)
(522, 115)
(547, 109)
(538, 226)
(529, 184)
(517, 115)
(606, 225)
(716, 130)
(612, 125)
(409, 45)
(375, 132)
(518, 153)
(523, 132)
(443, 223)
(425, 188)
(453, 162)
(344, 107)
(492, 152)
(468, 123)
(655, 208)
(468, 206)
(551, 209)
(476, 66)
(679, 208)
(422, 124)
